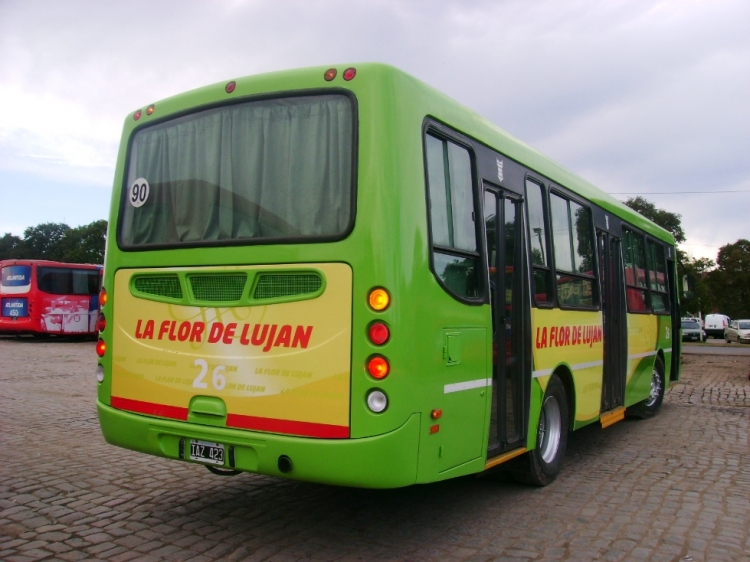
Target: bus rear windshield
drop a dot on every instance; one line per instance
(68, 281)
(260, 171)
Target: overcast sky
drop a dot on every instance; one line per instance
(638, 96)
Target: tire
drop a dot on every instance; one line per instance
(650, 406)
(541, 466)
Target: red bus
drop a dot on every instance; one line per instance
(47, 297)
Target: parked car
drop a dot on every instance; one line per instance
(692, 331)
(694, 319)
(716, 324)
(739, 331)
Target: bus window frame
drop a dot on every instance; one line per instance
(626, 226)
(595, 287)
(430, 126)
(246, 241)
(666, 293)
(552, 303)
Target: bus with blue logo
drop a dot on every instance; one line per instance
(41, 297)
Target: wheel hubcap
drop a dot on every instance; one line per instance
(550, 429)
(655, 388)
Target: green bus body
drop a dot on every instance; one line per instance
(428, 432)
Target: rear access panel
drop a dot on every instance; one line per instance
(265, 348)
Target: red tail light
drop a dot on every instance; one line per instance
(101, 323)
(379, 333)
(101, 348)
(350, 73)
(378, 367)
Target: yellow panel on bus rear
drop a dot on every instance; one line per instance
(281, 367)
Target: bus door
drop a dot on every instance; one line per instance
(503, 219)
(614, 317)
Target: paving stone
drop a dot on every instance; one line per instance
(658, 489)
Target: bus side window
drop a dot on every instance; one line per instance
(635, 271)
(657, 277)
(538, 238)
(450, 182)
(574, 253)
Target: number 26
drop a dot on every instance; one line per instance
(218, 380)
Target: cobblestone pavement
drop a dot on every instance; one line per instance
(675, 487)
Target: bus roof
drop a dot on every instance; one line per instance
(451, 112)
(48, 263)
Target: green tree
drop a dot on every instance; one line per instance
(702, 300)
(9, 246)
(85, 244)
(730, 281)
(44, 241)
(668, 221)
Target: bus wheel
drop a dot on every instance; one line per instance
(651, 405)
(543, 463)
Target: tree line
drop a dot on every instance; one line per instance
(57, 242)
(721, 286)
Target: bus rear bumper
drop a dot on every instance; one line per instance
(383, 461)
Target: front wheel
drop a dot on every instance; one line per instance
(651, 405)
(542, 465)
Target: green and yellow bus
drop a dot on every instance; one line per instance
(340, 275)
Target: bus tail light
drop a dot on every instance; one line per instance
(379, 333)
(379, 299)
(101, 348)
(101, 323)
(99, 373)
(350, 73)
(378, 367)
(102, 297)
(377, 401)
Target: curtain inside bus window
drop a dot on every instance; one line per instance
(268, 169)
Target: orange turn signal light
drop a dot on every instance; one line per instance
(436, 414)
(330, 74)
(379, 299)
(378, 367)
(102, 297)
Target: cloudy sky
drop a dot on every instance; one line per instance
(638, 96)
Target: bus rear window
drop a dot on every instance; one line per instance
(261, 171)
(67, 281)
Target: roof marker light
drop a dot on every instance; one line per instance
(350, 73)
(150, 109)
(330, 74)
(229, 88)
(137, 115)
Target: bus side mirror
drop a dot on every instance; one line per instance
(688, 286)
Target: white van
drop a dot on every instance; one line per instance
(715, 324)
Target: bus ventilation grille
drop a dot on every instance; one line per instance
(218, 288)
(271, 286)
(164, 286)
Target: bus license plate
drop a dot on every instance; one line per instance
(205, 451)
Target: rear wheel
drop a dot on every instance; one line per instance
(542, 465)
(651, 405)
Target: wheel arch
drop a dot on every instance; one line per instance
(566, 377)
